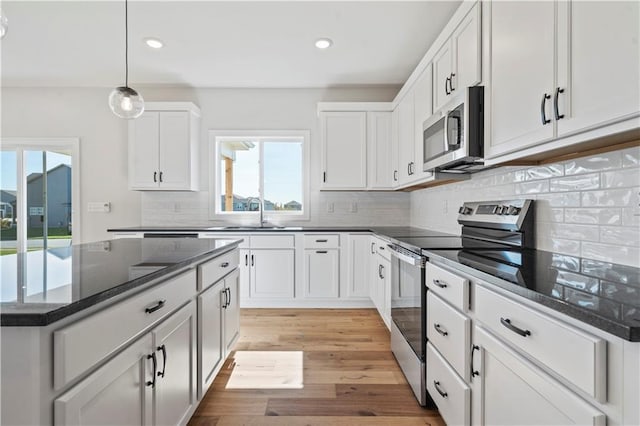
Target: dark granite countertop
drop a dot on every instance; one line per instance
(389, 231)
(602, 294)
(41, 287)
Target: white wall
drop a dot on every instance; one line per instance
(587, 207)
(84, 113)
(272, 109)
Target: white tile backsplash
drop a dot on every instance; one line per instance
(588, 207)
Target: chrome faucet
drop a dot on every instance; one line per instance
(260, 207)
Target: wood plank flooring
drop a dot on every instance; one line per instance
(350, 375)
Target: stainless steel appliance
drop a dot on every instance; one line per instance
(453, 138)
(487, 226)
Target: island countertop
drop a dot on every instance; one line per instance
(41, 287)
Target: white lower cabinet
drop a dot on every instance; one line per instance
(150, 382)
(322, 273)
(450, 393)
(380, 279)
(219, 327)
(509, 390)
(175, 350)
(119, 383)
(360, 247)
(272, 273)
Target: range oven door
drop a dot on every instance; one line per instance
(408, 297)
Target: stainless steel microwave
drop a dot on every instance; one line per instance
(453, 138)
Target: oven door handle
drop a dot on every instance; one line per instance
(405, 258)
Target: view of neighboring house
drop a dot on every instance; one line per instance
(244, 204)
(8, 207)
(293, 205)
(58, 198)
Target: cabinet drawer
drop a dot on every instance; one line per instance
(450, 332)
(272, 241)
(213, 270)
(451, 287)
(573, 354)
(322, 241)
(449, 392)
(82, 345)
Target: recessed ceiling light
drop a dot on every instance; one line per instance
(323, 43)
(153, 42)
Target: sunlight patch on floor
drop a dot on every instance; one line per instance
(267, 370)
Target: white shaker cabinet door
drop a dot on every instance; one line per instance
(359, 254)
(175, 150)
(598, 63)
(466, 52)
(406, 138)
(175, 349)
(380, 167)
(509, 390)
(442, 76)
(144, 152)
(272, 273)
(210, 335)
(322, 270)
(232, 310)
(121, 382)
(344, 150)
(522, 75)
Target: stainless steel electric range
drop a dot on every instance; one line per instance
(491, 226)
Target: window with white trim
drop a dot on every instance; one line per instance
(254, 170)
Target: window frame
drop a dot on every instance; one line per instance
(215, 170)
(20, 145)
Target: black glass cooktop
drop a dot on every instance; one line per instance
(603, 294)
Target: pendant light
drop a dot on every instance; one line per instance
(124, 101)
(4, 24)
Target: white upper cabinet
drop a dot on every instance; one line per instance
(558, 69)
(163, 147)
(457, 63)
(406, 139)
(422, 100)
(598, 63)
(522, 75)
(395, 147)
(379, 146)
(344, 150)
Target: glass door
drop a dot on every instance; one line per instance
(36, 197)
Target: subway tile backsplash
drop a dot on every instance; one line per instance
(588, 207)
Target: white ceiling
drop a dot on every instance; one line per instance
(218, 44)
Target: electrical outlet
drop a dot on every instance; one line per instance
(99, 207)
(353, 207)
(330, 208)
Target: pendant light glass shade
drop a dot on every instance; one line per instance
(4, 24)
(126, 102)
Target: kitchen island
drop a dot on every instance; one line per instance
(140, 324)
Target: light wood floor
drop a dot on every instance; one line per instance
(350, 375)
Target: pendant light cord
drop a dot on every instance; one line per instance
(126, 43)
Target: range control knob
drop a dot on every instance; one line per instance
(465, 210)
(513, 210)
(499, 210)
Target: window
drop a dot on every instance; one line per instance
(38, 189)
(254, 169)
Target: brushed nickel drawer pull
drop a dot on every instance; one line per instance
(224, 264)
(157, 306)
(322, 241)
